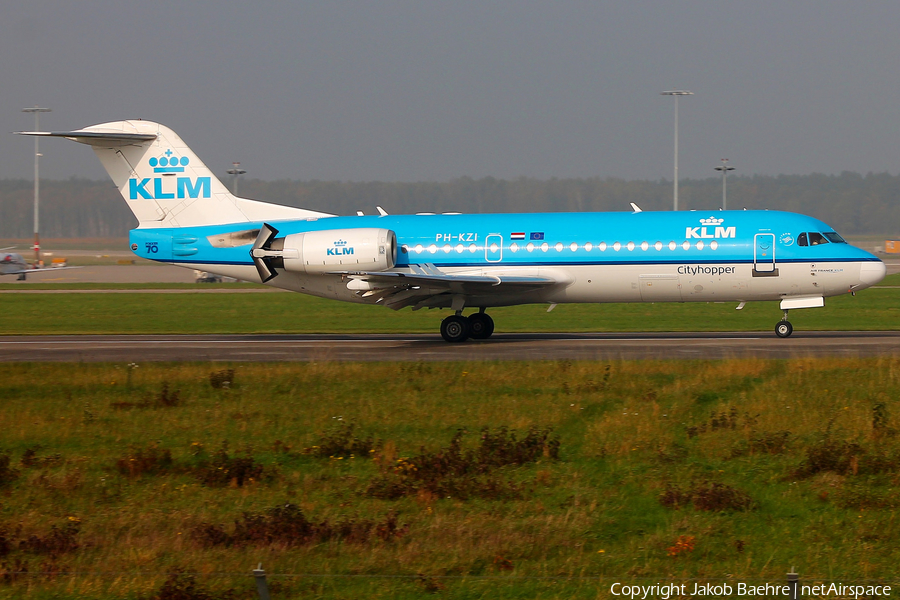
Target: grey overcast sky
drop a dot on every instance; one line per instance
(429, 90)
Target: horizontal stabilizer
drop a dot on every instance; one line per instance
(96, 138)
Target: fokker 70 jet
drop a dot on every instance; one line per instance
(187, 217)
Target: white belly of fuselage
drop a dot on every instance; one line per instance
(705, 283)
(614, 283)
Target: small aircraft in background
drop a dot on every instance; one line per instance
(188, 218)
(15, 264)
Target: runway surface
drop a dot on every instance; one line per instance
(424, 347)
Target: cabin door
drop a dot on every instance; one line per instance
(764, 255)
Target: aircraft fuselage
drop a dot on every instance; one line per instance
(595, 257)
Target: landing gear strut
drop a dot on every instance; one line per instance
(784, 328)
(457, 328)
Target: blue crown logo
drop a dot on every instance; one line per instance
(340, 243)
(169, 163)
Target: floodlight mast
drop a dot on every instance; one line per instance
(675, 94)
(724, 168)
(37, 110)
(236, 171)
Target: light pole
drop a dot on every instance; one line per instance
(37, 182)
(724, 168)
(676, 94)
(236, 171)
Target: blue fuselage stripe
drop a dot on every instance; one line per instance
(585, 263)
(715, 237)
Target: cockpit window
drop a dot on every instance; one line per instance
(834, 237)
(814, 238)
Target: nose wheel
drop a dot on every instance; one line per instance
(784, 328)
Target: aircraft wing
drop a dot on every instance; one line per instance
(38, 271)
(427, 285)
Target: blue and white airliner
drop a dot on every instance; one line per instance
(187, 217)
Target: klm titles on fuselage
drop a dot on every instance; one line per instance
(710, 228)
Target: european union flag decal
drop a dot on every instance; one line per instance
(537, 235)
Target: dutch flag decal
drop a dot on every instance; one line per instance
(518, 235)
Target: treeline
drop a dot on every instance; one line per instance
(851, 202)
(68, 209)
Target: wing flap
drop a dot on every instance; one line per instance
(425, 285)
(463, 283)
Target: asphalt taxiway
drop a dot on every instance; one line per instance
(429, 347)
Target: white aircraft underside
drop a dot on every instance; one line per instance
(593, 284)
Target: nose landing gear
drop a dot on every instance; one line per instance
(784, 328)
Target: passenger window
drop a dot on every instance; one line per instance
(816, 238)
(801, 240)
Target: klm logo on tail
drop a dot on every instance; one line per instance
(714, 224)
(185, 187)
(340, 249)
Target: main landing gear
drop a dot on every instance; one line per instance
(784, 328)
(457, 328)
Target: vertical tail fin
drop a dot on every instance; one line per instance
(164, 183)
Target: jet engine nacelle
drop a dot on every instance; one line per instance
(365, 249)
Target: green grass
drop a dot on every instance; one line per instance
(629, 433)
(34, 314)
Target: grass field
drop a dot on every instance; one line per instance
(32, 314)
(348, 474)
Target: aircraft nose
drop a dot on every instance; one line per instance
(871, 273)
